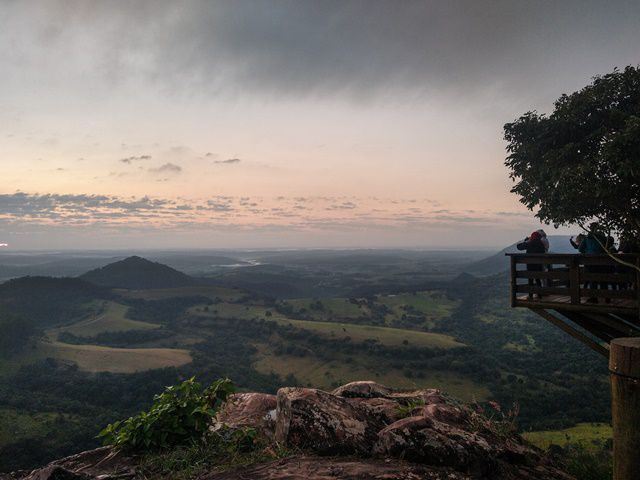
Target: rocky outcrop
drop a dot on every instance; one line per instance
(256, 410)
(361, 430)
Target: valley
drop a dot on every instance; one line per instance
(101, 350)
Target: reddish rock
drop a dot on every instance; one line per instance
(384, 410)
(424, 397)
(102, 464)
(55, 472)
(340, 468)
(323, 423)
(362, 389)
(255, 410)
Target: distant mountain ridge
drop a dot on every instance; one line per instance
(498, 262)
(138, 273)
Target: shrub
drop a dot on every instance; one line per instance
(179, 415)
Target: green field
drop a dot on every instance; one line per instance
(357, 333)
(585, 434)
(383, 335)
(432, 305)
(111, 318)
(95, 358)
(435, 305)
(319, 373)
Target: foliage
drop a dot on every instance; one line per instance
(582, 162)
(220, 450)
(406, 410)
(587, 464)
(180, 414)
(493, 419)
(14, 333)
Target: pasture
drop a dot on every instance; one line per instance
(584, 434)
(326, 374)
(111, 317)
(355, 332)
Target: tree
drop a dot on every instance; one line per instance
(581, 163)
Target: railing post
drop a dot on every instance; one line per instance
(637, 286)
(624, 365)
(574, 280)
(513, 281)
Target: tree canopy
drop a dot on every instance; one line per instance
(581, 163)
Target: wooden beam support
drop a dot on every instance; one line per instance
(593, 345)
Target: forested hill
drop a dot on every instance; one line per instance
(138, 273)
(46, 300)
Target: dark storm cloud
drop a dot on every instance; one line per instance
(293, 47)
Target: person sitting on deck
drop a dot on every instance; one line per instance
(533, 244)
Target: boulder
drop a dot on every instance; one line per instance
(384, 410)
(362, 389)
(256, 410)
(324, 423)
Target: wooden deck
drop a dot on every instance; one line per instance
(594, 298)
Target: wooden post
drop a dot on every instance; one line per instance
(574, 281)
(624, 365)
(513, 281)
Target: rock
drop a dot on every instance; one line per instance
(362, 389)
(100, 464)
(369, 389)
(360, 426)
(384, 410)
(323, 423)
(424, 397)
(56, 472)
(256, 410)
(340, 468)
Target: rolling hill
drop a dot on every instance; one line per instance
(138, 273)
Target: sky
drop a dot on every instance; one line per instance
(278, 124)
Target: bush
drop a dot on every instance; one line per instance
(179, 415)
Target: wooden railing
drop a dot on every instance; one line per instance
(575, 282)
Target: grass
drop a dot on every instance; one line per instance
(326, 374)
(357, 333)
(384, 335)
(583, 434)
(94, 358)
(433, 305)
(111, 319)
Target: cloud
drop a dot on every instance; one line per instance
(130, 160)
(354, 47)
(166, 168)
(228, 161)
